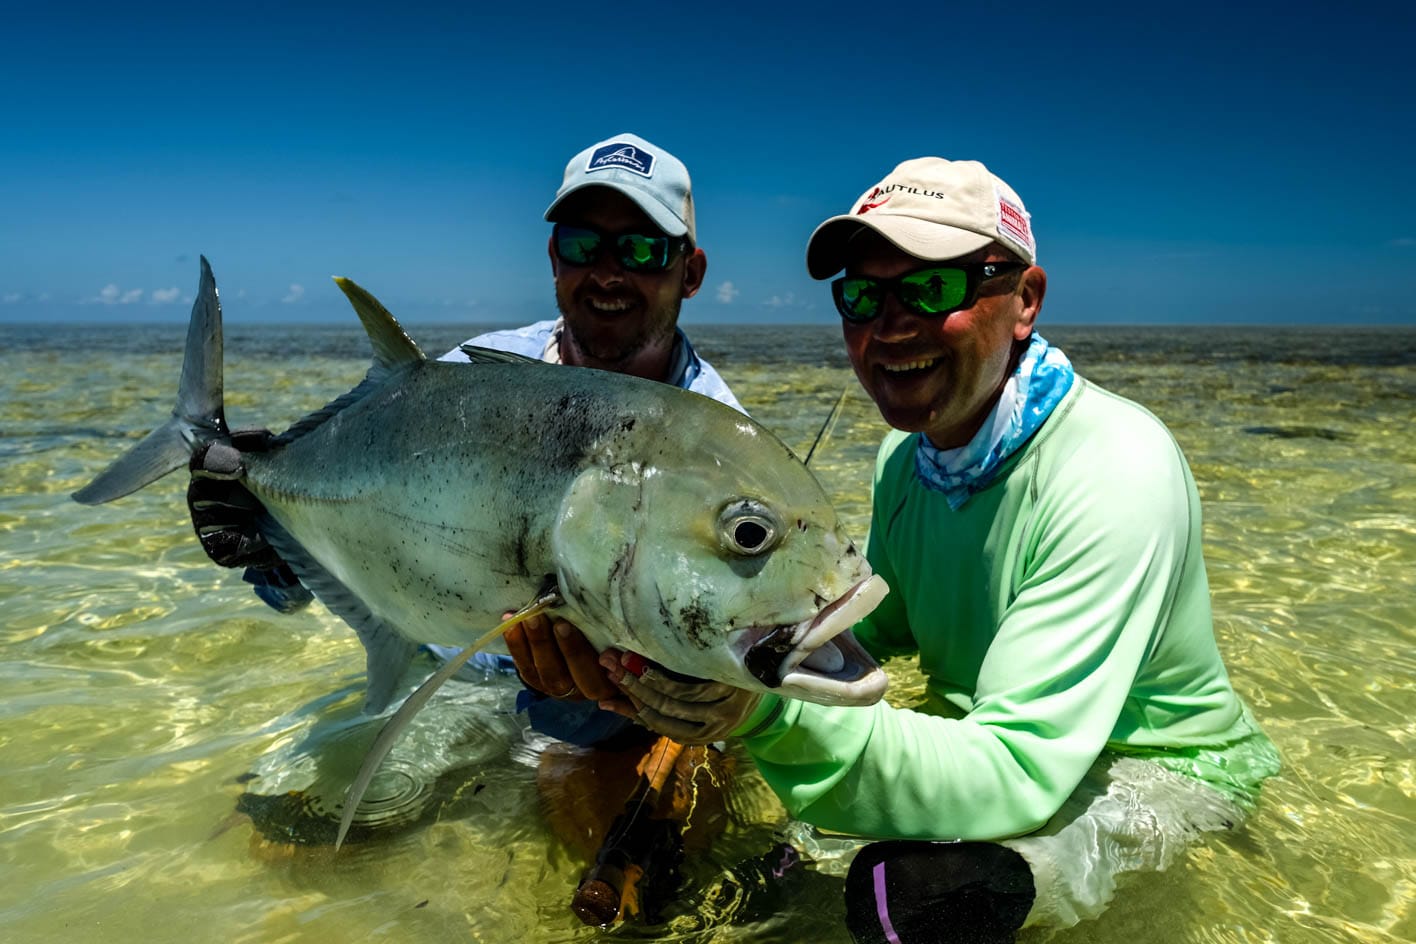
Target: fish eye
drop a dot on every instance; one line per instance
(750, 535)
(746, 527)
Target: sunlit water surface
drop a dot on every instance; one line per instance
(142, 684)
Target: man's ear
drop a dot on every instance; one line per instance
(1032, 286)
(695, 267)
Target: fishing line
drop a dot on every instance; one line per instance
(825, 432)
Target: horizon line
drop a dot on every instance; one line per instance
(353, 324)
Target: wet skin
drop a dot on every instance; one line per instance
(940, 375)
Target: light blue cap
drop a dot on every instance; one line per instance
(653, 178)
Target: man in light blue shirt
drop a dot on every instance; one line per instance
(624, 256)
(543, 340)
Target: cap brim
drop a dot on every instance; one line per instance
(826, 250)
(660, 215)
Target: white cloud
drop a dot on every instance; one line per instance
(164, 295)
(11, 298)
(789, 301)
(727, 292)
(111, 294)
(297, 292)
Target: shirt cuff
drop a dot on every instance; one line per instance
(768, 710)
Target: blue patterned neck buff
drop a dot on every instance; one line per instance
(1043, 376)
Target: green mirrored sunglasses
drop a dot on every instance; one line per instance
(932, 291)
(637, 252)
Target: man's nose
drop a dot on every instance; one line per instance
(895, 322)
(607, 270)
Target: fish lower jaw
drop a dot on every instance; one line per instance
(838, 672)
(863, 689)
(818, 660)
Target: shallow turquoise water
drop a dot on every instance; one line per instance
(141, 682)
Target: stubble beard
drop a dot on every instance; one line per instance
(613, 353)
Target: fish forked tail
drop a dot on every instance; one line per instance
(197, 418)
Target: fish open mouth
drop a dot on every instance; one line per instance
(818, 659)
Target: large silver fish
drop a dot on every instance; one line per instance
(434, 497)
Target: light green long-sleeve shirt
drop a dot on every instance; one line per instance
(1062, 611)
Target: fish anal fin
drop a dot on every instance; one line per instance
(388, 653)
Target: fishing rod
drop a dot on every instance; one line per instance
(635, 847)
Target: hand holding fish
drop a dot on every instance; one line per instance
(224, 513)
(691, 711)
(553, 657)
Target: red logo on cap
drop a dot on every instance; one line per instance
(870, 206)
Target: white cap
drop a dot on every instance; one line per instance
(932, 209)
(653, 178)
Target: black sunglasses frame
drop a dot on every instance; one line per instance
(677, 246)
(974, 277)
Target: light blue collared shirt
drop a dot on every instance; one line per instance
(542, 342)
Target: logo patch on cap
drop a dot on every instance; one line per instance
(1013, 222)
(623, 155)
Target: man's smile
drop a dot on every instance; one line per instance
(908, 366)
(609, 305)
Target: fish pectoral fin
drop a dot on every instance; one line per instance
(548, 598)
(486, 355)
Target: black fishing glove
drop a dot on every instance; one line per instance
(224, 513)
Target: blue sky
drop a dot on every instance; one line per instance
(1196, 163)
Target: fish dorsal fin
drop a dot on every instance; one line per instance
(392, 345)
(486, 355)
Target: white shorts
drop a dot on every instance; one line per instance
(1127, 815)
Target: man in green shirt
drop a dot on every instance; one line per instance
(1042, 541)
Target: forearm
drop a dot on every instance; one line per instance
(887, 772)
